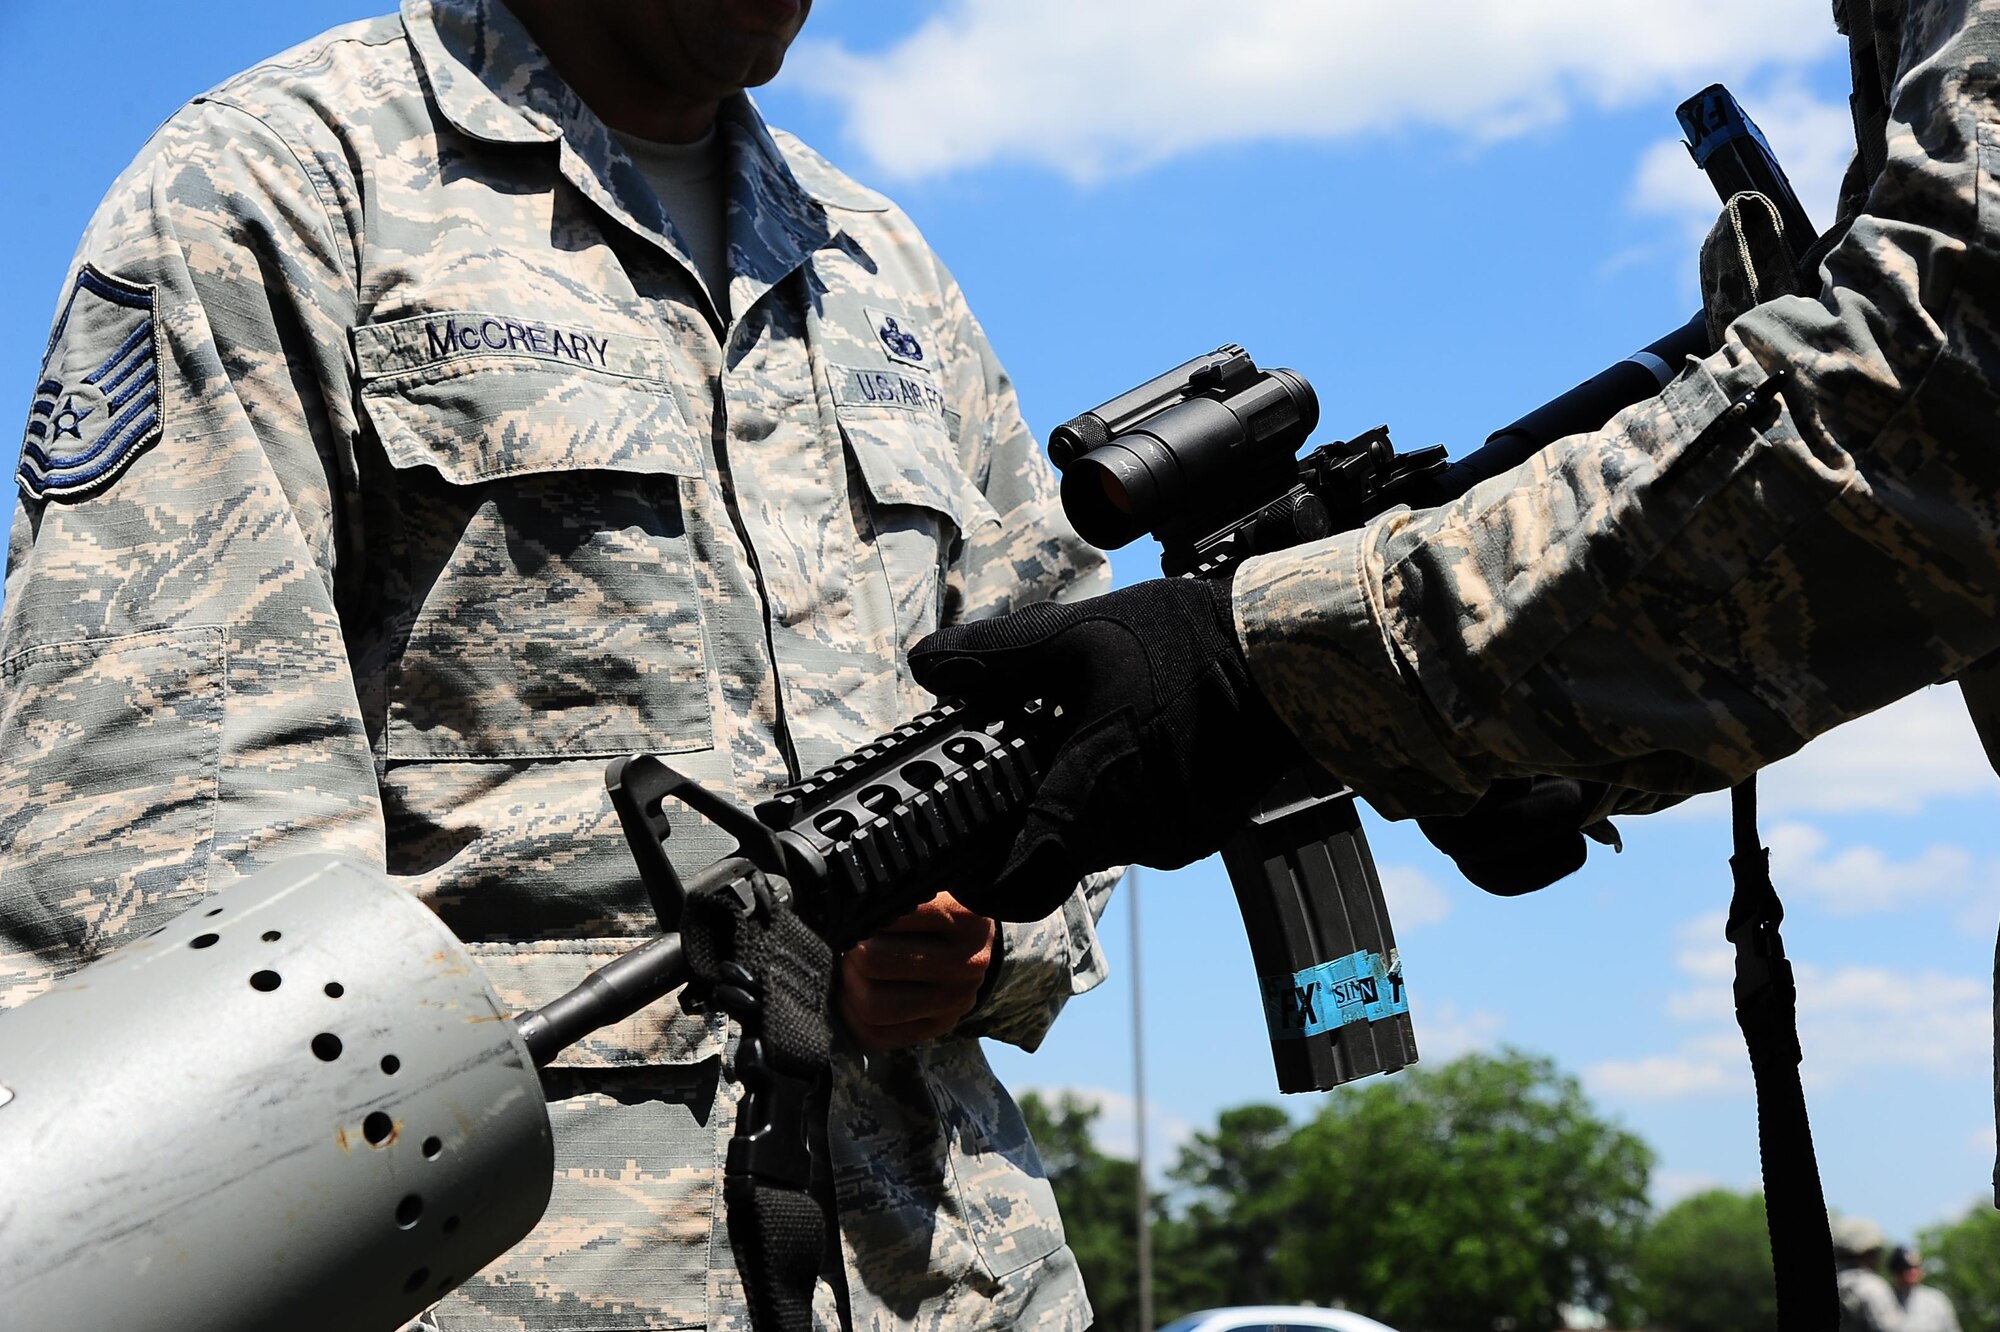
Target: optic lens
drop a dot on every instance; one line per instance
(1114, 490)
(1097, 494)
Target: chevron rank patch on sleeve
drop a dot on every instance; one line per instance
(97, 401)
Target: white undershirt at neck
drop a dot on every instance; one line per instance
(687, 179)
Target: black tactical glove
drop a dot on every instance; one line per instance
(1524, 834)
(1170, 743)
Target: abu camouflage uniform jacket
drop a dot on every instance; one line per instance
(388, 473)
(1667, 607)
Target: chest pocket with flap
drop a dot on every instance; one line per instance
(922, 506)
(549, 606)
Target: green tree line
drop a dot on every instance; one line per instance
(1484, 1194)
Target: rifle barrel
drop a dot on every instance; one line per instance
(622, 986)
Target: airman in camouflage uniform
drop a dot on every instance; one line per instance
(389, 471)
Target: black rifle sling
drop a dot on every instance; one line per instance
(1767, 1010)
(760, 963)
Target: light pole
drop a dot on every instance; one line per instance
(1143, 1201)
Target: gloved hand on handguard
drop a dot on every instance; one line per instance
(1170, 744)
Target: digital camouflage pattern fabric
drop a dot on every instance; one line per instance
(1632, 608)
(390, 471)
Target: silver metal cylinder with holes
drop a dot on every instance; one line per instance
(297, 1106)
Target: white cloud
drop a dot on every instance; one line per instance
(1853, 1022)
(1414, 898)
(1860, 879)
(1115, 1130)
(1704, 954)
(1670, 1186)
(1119, 85)
(1981, 908)
(1445, 1031)
(1812, 139)
(1894, 761)
(1867, 1020)
(1701, 1067)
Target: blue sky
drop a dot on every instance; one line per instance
(1441, 215)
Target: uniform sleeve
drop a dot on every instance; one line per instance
(1671, 603)
(176, 705)
(1031, 554)
(1868, 1303)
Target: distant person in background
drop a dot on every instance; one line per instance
(1867, 1302)
(1925, 1308)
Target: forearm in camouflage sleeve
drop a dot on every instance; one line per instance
(175, 699)
(1042, 964)
(1636, 609)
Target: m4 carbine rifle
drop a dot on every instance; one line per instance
(1205, 458)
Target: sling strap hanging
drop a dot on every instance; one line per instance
(1767, 1010)
(762, 965)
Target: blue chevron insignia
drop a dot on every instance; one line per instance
(97, 403)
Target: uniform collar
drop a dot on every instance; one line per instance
(490, 81)
(486, 75)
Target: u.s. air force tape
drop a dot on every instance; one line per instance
(1362, 987)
